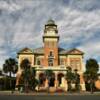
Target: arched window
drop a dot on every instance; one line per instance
(50, 59)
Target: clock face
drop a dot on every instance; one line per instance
(51, 32)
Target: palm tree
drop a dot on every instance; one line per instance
(25, 65)
(10, 66)
(28, 75)
(32, 80)
(69, 77)
(76, 79)
(48, 74)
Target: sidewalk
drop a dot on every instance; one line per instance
(38, 93)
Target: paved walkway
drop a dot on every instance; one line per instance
(38, 93)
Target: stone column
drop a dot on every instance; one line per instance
(82, 82)
(37, 74)
(46, 83)
(56, 81)
(18, 75)
(64, 84)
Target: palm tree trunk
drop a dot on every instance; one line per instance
(91, 86)
(10, 80)
(5, 81)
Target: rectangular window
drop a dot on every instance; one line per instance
(38, 62)
(75, 63)
(50, 62)
(61, 62)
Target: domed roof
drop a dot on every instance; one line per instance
(50, 22)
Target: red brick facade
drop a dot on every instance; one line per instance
(51, 54)
(47, 52)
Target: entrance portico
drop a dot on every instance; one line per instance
(57, 79)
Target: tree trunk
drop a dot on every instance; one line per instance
(91, 86)
(26, 86)
(5, 81)
(10, 80)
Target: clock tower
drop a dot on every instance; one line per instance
(50, 40)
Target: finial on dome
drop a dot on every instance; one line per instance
(50, 22)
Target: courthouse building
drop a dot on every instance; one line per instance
(51, 56)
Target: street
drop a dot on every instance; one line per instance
(50, 97)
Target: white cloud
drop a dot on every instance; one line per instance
(91, 48)
(10, 6)
(22, 23)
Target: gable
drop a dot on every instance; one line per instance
(75, 51)
(25, 51)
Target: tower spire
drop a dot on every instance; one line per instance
(50, 22)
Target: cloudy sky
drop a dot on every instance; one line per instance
(22, 23)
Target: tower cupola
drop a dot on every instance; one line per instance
(50, 22)
(50, 28)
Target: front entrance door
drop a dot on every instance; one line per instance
(52, 80)
(60, 75)
(42, 79)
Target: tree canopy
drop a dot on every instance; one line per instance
(10, 66)
(92, 67)
(28, 74)
(69, 74)
(25, 64)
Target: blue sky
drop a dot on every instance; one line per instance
(22, 23)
